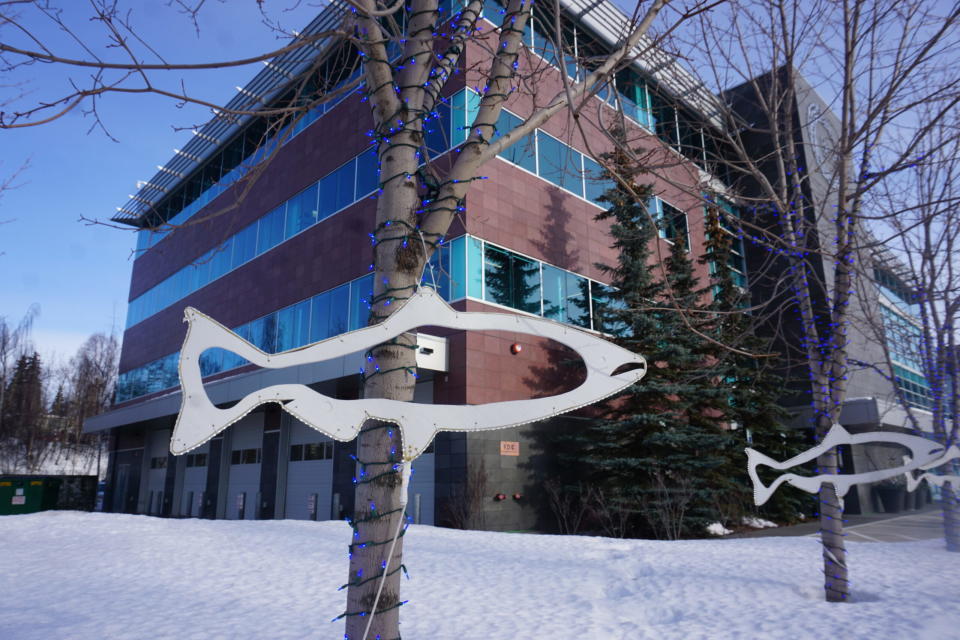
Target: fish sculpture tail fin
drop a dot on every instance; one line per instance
(755, 459)
(194, 424)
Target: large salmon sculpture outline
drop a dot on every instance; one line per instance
(610, 369)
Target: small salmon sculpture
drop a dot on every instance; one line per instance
(926, 455)
(610, 369)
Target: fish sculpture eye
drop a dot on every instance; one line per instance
(609, 368)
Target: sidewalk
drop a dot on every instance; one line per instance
(924, 524)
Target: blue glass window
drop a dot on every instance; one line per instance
(521, 152)
(202, 270)
(570, 64)
(244, 245)
(671, 222)
(329, 313)
(437, 130)
(221, 259)
(595, 182)
(346, 179)
(458, 272)
(211, 361)
(361, 292)
(459, 122)
(338, 319)
(367, 173)
(565, 296)
(635, 98)
(543, 45)
(262, 333)
(559, 163)
(436, 273)
(493, 11)
(475, 267)
(511, 280)
(320, 317)
(605, 307)
(293, 326)
(336, 190)
(230, 360)
(270, 233)
(301, 211)
(665, 116)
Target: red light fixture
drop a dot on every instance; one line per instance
(500, 497)
(517, 496)
(516, 348)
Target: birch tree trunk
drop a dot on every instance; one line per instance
(413, 215)
(951, 516)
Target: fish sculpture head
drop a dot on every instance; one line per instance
(609, 368)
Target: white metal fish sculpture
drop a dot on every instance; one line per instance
(926, 455)
(199, 420)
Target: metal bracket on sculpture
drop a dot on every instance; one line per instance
(199, 420)
(926, 455)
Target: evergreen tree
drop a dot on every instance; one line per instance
(656, 452)
(747, 378)
(24, 394)
(59, 407)
(21, 420)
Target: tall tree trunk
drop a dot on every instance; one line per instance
(835, 579)
(951, 516)
(389, 372)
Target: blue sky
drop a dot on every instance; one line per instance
(79, 274)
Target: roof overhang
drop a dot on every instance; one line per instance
(269, 82)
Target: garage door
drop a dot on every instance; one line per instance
(309, 474)
(243, 484)
(194, 481)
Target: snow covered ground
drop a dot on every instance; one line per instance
(79, 576)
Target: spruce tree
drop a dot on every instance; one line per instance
(59, 407)
(22, 413)
(744, 368)
(654, 454)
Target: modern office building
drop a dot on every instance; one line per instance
(282, 256)
(264, 226)
(883, 316)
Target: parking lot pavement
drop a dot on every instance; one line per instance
(919, 525)
(925, 524)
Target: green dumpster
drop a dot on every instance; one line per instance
(26, 494)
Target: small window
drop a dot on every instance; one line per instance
(197, 460)
(311, 451)
(245, 456)
(159, 462)
(270, 232)
(672, 223)
(511, 280)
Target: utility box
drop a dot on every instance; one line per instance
(26, 494)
